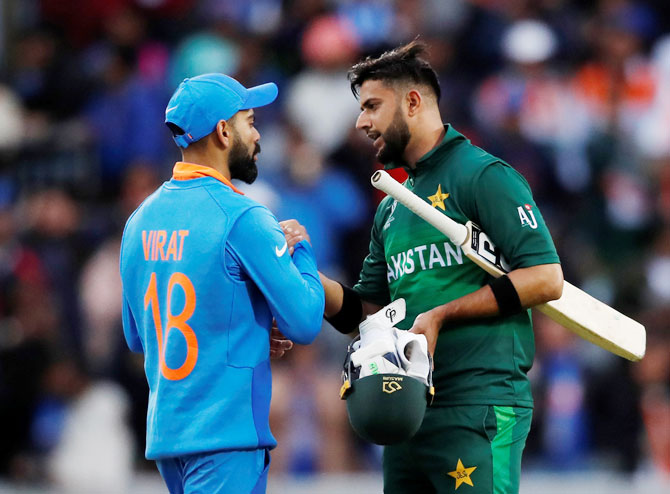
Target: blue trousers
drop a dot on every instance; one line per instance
(217, 472)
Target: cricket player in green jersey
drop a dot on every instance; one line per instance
(478, 328)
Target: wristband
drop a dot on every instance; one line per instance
(351, 313)
(506, 296)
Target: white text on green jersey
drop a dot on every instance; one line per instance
(422, 258)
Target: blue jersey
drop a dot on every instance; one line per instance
(205, 270)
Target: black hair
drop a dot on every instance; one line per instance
(175, 129)
(404, 63)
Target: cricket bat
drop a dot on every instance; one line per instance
(576, 310)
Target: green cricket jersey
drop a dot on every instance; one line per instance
(479, 361)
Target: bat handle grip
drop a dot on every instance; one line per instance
(456, 232)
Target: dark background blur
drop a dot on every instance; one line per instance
(574, 94)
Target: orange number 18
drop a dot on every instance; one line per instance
(178, 322)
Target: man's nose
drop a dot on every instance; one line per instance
(362, 122)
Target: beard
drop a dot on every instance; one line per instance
(241, 163)
(395, 138)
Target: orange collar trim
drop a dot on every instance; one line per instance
(189, 171)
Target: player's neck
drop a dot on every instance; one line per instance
(425, 137)
(212, 160)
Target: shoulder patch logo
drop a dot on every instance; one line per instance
(462, 474)
(437, 199)
(527, 216)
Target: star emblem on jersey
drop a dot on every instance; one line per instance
(462, 474)
(437, 200)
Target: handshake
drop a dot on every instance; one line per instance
(383, 349)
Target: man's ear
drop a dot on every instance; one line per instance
(223, 134)
(413, 100)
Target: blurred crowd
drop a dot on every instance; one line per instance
(573, 94)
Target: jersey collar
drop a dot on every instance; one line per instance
(189, 171)
(451, 135)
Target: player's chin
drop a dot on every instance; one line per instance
(384, 157)
(381, 154)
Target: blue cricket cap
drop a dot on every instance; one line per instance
(200, 102)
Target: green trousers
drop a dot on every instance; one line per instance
(473, 449)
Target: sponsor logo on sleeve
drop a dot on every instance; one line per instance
(527, 216)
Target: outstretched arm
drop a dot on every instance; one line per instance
(351, 308)
(258, 244)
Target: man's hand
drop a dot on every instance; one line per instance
(429, 324)
(294, 233)
(279, 345)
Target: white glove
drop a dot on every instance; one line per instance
(373, 349)
(379, 365)
(377, 352)
(380, 324)
(412, 349)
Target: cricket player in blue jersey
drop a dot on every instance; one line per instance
(205, 271)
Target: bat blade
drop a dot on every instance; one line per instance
(576, 310)
(597, 322)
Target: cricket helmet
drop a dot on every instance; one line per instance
(384, 408)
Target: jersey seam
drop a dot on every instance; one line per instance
(492, 160)
(241, 366)
(191, 183)
(224, 238)
(223, 258)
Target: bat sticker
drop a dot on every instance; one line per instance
(486, 249)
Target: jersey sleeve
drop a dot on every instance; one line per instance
(290, 284)
(130, 328)
(372, 285)
(506, 211)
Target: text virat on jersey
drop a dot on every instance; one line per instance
(154, 245)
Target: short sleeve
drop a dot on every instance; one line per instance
(506, 211)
